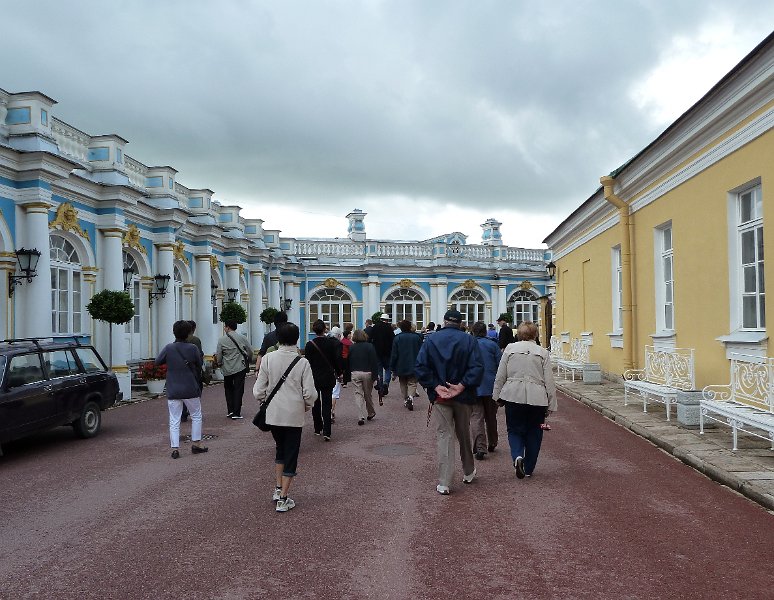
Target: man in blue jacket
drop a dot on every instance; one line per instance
(449, 367)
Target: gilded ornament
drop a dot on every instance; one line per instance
(469, 284)
(132, 239)
(67, 220)
(526, 285)
(406, 283)
(214, 262)
(179, 252)
(331, 282)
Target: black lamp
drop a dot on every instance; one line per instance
(287, 304)
(128, 274)
(28, 265)
(231, 294)
(551, 268)
(161, 283)
(214, 291)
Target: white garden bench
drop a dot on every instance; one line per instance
(666, 372)
(579, 356)
(746, 403)
(557, 349)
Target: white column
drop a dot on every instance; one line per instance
(7, 267)
(232, 279)
(274, 290)
(165, 307)
(372, 305)
(111, 262)
(441, 301)
(204, 328)
(35, 296)
(293, 291)
(501, 301)
(256, 307)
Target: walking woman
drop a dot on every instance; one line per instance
(184, 363)
(285, 412)
(483, 417)
(323, 354)
(524, 384)
(364, 369)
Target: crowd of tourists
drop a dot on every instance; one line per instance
(468, 373)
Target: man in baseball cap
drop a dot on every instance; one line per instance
(450, 368)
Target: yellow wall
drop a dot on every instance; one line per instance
(698, 211)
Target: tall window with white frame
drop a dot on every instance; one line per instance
(617, 299)
(750, 240)
(66, 293)
(666, 282)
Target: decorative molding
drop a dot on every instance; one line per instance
(67, 220)
(179, 252)
(213, 262)
(469, 284)
(132, 239)
(241, 270)
(90, 269)
(406, 283)
(331, 282)
(526, 285)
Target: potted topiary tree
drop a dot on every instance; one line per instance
(268, 314)
(506, 316)
(113, 307)
(376, 316)
(232, 311)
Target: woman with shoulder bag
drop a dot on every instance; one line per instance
(323, 354)
(294, 395)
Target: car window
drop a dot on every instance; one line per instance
(24, 369)
(91, 361)
(60, 363)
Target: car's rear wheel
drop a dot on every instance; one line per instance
(88, 423)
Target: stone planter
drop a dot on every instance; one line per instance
(688, 408)
(592, 373)
(156, 386)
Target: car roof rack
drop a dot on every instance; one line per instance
(36, 340)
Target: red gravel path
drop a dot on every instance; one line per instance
(607, 515)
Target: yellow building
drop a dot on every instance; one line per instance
(669, 251)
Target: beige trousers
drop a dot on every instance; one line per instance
(363, 385)
(452, 420)
(408, 386)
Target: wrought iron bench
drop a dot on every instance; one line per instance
(557, 349)
(666, 372)
(579, 356)
(746, 403)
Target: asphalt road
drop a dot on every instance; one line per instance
(606, 515)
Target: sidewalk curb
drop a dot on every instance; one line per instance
(746, 488)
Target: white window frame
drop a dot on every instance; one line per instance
(404, 303)
(471, 303)
(661, 283)
(616, 298)
(68, 268)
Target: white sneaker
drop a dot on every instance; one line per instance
(277, 494)
(469, 478)
(285, 505)
(442, 489)
(518, 466)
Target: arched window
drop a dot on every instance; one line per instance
(405, 304)
(470, 303)
(333, 306)
(66, 287)
(133, 326)
(178, 293)
(524, 306)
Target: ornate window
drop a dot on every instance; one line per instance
(133, 326)
(405, 304)
(66, 287)
(334, 306)
(470, 303)
(524, 306)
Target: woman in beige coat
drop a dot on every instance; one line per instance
(524, 384)
(286, 410)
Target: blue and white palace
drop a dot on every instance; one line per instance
(104, 220)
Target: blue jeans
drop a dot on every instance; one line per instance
(524, 432)
(385, 374)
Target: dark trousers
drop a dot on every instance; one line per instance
(234, 387)
(288, 440)
(524, 432)
(321, 411)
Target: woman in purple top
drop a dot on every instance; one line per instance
(183, 361)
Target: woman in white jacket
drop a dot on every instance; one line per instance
(524, 384)
(286, 410)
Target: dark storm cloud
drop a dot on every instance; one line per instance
(502, 105)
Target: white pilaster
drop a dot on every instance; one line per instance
(165, 307)
(204, 328)
(113, 279)
(274, 290)
(256, 307)
(35, 296)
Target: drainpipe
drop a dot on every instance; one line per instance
(627, 306)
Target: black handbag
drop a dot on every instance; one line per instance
(259, 420)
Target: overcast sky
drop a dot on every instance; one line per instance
(429, 115)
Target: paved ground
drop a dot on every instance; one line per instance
(607, 515)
